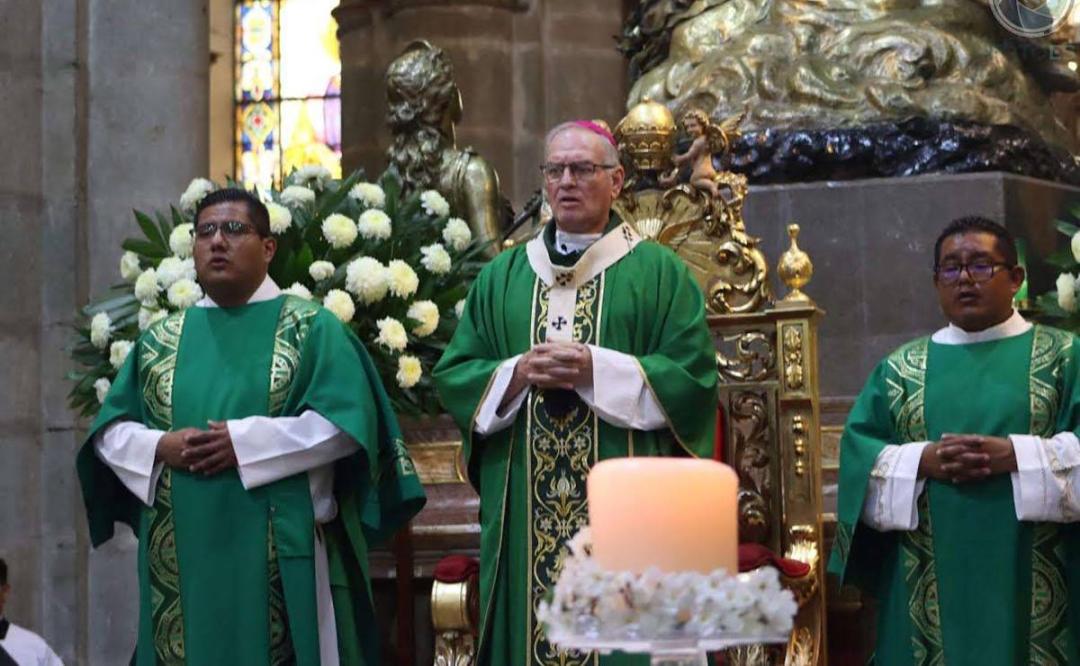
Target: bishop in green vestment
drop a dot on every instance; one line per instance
(586, 343)
(958, 486)
(249, 444)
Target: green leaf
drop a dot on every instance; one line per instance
(1067, 228)
(144, 248)
(1062, 259)
(151, 231)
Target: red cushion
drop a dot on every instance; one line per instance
(456, 568)
(754, 555)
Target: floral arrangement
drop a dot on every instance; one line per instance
(1059, 307)
(395, 267)
(592, 603)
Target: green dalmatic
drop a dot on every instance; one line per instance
(972, 584)
(226, 575)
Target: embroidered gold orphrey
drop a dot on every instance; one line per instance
(1049, 637)
(560, 453)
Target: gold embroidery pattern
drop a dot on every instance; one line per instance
(297, 316)
(1050, 638)
(165, 608)
(281, 647)
(907, 402)
(561, 452)
(158, 358)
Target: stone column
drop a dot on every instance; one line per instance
(522, 66)
(104, 105)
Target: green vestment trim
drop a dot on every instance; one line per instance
(971, 585)
(530, 476)
(242, 560)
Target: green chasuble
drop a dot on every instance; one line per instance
(226, 575)
(531, 475)
(972, 584)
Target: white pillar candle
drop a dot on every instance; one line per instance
(675, 514)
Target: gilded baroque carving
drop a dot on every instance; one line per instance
(793, 357)
(454, 648)
(750, 425)
(754, 357)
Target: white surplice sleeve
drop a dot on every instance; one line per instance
(489, 418)
(893, 491)
(129, 449)
(272, 448)
(1046, 485)
(619, 393)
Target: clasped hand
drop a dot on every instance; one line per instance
(205, 452)
(552, 365)
(965, 458)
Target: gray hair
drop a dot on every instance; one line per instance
(611, 153)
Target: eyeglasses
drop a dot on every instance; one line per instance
(553, 171)
(978, 271)
(231, 228)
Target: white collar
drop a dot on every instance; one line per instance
(1011, 327)
(267, 290)
(568, 243)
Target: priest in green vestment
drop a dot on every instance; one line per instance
(249, 444)
(959, 491)
(586, 343)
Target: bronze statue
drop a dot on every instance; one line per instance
(424, 106)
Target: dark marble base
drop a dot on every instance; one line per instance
(907, 148)
(872, 244)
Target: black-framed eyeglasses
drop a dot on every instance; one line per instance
(553, 171)
(978, 271)
(230, 228)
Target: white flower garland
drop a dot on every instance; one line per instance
(590, 602)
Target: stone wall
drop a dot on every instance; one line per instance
(523, 66)
(103, 104)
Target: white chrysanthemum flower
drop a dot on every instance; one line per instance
(100, 330)
(170, 270)
(195, 192)
(459, 308)
(367, 279)
(1075, 244)
(369, 194)
(313, 175)
(434, 204)
(181, 240)
(147, 317)
(409, 371)
(296, 196)
(426, 314)
(391, 334)
(402, 279)
(374, 224)
(340, 303)
(299, 290)
(101, 387)
(1066, 292)
(146, 287)
(321, 270)
(280, 217)
(339, 230)
(457, 234)
(184, 293)
(118, 352)
(436, 259)
(129, 266)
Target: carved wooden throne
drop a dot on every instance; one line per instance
(766, 357)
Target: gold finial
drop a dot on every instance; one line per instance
(795, 270)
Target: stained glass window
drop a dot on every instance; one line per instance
(288, 89)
